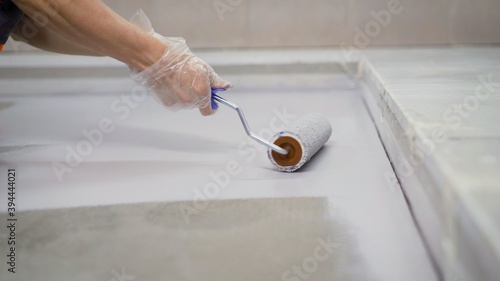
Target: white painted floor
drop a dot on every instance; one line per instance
(153, 155)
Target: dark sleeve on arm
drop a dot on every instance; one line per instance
(10, 16)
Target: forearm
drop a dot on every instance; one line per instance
(94, 26)
(46, 39)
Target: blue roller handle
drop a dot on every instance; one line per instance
(214, 92)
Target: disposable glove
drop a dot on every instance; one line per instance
(179, 79)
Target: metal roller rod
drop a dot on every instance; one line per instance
(247, 127)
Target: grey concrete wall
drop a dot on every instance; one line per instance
(301, 23)
(278, 23)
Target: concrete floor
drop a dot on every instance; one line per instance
(154, 156)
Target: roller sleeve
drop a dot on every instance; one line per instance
(302, 138)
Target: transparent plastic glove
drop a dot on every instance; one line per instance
(179, 79)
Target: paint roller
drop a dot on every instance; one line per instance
(295, 145)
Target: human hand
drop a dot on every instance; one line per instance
(179, 78)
